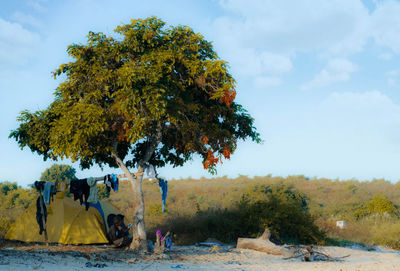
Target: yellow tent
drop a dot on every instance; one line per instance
(67, 223)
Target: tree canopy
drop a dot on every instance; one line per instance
(150, 94)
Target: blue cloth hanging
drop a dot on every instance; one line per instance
(48, 191)
(163, 184)
(114, 182)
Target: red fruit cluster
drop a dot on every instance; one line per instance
(226, 152)
(228, 98)
(210, 161)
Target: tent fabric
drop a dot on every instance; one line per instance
(67, 223)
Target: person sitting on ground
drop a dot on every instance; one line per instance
(118, 233)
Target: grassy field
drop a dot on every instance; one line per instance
(296, 208)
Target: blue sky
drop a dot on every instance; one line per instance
(321, 78)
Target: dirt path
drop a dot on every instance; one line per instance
(186, 258)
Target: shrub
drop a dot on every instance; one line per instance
(287, 218)
(281, 209)
(387, 234)
(379, 204)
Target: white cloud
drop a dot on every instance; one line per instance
(371, 104)
(386, 56)
(263, 67)
(251, 63)
(328, 29)
(37, 5)
(17, 44)
(337, 70)
(337, 27)
(23, 18)
(286, 26)
(266, 81)
(386, 24)
(393, 78)
(260, 37)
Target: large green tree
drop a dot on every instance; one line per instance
(152, 94)
(58, 172)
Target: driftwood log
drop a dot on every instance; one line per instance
(309, 254)
(262, 244)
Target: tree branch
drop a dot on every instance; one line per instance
(118, 160)
(153, 145)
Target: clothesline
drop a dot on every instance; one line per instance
(120, 176)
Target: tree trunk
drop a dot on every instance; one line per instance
(140, 240)
(139, 228)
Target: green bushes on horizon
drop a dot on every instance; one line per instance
(226, 208)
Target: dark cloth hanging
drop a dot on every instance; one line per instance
(39, 185)
(81, 190)
(107, 182)
(40, 214)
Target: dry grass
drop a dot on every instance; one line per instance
(328, 200)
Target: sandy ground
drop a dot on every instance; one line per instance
(186, 258)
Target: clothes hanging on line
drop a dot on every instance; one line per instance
(49, 191)
(81, 190)
(107, 182)
(111, 181)
(114, 182)
(39, 185)
(163, 184)
(151, 172)
(39, 214)
(92, 183)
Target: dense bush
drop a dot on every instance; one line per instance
(287, 218)
(381, 205)
(280, 208)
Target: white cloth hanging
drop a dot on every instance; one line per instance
(93, 198)
(151, 172)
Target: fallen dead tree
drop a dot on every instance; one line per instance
(306, 253)
(262, 244)
(309, 254)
